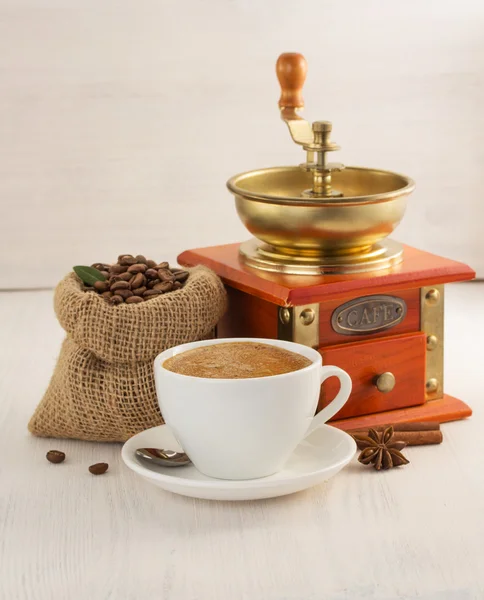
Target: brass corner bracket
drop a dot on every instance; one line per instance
(432, 323)
(299, 324)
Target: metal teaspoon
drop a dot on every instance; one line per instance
(163, 457)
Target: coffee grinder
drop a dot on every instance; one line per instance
(321, 271)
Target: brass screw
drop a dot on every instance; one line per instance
(432, 342)
(285, 315)
(432, 297)
(322, 126)
(431, 385)
(307, 316)
(340, 319)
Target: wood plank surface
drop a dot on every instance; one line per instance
(410, 533)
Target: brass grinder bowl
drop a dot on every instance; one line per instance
(271, 205)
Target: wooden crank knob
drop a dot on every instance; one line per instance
(291, 69)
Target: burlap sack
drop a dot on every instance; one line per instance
(103, 387)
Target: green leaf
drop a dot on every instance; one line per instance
(89, 275)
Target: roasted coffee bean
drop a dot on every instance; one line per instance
(105, 273)
(119, 285)
(124, 293)
(163, 265)
(138, 268)
(115, 269)
(150, 293)
(151, 274)
(127, 259)
(181, 276)
(116, 299)
(101, 286)
(134, 299)
(138, 280)
(152, 283)
(55, 456)
(151, 264)
(125, 276)
(164, 286)
(107, 295)
(141, 259)
(177, 285)
(165, 275)
(98, 468)
(139, 291)
(101, 267)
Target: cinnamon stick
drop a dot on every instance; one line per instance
(418, 426)
(411, 438)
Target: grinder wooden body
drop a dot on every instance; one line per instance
(384, 328)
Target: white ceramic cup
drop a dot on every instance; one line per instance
(245, 428)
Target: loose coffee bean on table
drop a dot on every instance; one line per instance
(136, 279)
(98, 468)
(55, 456)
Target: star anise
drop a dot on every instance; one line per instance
(380, 450)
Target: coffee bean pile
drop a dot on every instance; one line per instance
(135, 279)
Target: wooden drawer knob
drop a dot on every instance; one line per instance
(385, 382)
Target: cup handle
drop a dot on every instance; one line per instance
(340, 400)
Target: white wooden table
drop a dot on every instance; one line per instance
(415, 532)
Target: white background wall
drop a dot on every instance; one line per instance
(120, 121)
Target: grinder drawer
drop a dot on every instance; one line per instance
(387, 373)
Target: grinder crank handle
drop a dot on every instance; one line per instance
(291, 69)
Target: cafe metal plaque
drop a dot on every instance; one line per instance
(368, 314)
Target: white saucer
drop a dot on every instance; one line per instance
(320, 456)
